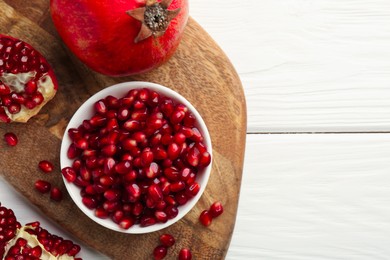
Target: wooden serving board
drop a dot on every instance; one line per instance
(199, 71)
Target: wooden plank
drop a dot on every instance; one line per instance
(307, 65)
(314, 197)
(202, 73)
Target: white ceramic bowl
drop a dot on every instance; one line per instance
(86, 112)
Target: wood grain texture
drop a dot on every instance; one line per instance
(314, 197)
(199, 71)
(307, 66)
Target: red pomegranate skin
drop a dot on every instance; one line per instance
(101, 34)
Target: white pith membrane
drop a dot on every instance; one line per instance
(32, 241)
(17, 82)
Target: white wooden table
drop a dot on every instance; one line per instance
(316, 74)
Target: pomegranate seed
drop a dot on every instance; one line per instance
(146, 221)
(97, 120)
(181, 198)
(89, 202)
(112, 195)
(205, 218)
(69, 174)
(36, 252)
(112, 102)
(179, 138)
(193, 157)
(204, 159)
(146, 157)
(173, 151)
(167, 240)
(109, 150)
(152, 171)
(193, 189)
(123, 113)
(160, 252)
(171, 211)
(11, 139)
(177, 116)
(100, 107)
(161, 216)
(185, 254)
(123, 167)
(216, 209)
(126, 223)
(177, 186)
(155, 192)
(134, 190)
(56, 194)
(81, 144)
(117, 216)
(73, 152)
(100, 212)
(42, 186)
(45, 166)
(4, 90)
(14, 108)
(132, 125)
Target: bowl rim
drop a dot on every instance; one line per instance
(85, 111)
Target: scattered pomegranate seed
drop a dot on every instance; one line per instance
(167, 240)
(42, 186)
(216, 209)
(160, 252)
(205, 218)
(56, 194)
(185, 254)
(11, 139)
(46, 166)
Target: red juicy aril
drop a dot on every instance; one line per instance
(31, 241)
(137, 167)
(27, 81)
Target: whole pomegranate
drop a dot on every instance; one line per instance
(27, 82)
(121, 37)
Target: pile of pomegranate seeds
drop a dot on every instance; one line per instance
(214, 211)
(137, 158)
(31, 241)
(11, 139)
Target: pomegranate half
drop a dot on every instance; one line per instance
(27, 82)
(119, 38)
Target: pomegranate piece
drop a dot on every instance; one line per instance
(31, 241)
(46, 166)
(136, 151)
(205, 218)
(167, 240)
(216, 209)
(27, 82)
(42, 186)
(11, 139)
(160, 252)
(185, 254)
